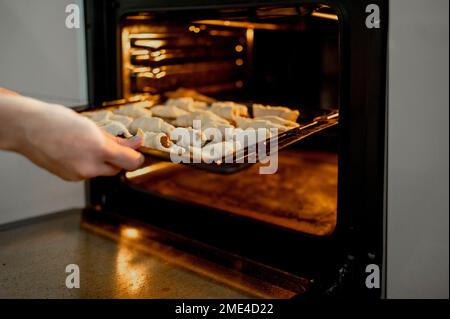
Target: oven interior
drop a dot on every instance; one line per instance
(273, 55)
(270, 55)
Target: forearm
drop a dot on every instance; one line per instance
(15, 112)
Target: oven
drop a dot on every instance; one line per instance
(309, 229)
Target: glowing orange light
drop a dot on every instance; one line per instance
(160, 75)
(323, 15)
(130, 232)
(150, 43)
(239, 62)
(239, 48)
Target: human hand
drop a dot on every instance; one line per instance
(63, 142)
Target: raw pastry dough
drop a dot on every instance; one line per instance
(184, 103)
(169, 111)
(135, 110)
(186, 137)
(98, 116)
(151, 124)
(187, 104)
(224, 128)
(184, 92)
(279, 120)
(203, 116)
(125, 120)
(246, 123)
(280, 111)
(200, 105)
(159, 141)
(115, 128)
(229, 110)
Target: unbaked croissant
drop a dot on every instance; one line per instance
(151, 124)
(279, 120)
(98, 116)
(125, 120)
(229, 110)
(115, 128)
(280, 111)
(186, 137)
(187, 104)
(159, 141)
(184, 103)
(203, 116)
(135, 110)
(246, 123)
(169, 111)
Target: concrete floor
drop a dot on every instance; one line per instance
(34, 256)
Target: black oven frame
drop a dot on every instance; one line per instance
(337, 263)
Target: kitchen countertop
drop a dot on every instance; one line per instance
(34, 255)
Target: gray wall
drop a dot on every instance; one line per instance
(418, 184)
(39, 57)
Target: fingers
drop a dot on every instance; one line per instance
(134, 142)
(107, 170)
(124, 157)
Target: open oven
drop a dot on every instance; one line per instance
(313, 226)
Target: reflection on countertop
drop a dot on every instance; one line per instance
(34, 256)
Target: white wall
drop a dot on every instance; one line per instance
(39, 57)
(418, 150)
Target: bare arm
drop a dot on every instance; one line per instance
(61, 141)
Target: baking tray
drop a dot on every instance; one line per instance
(240, 157)
(310, 124)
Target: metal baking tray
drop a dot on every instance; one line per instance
(240, 157)
(310, 124)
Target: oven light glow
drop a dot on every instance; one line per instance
(250, 34)
(144, 36)
(323, 15)
(150, 43)
(132, 273)
(140, 52)
(149, 169)
(239, 62)
(193, 28)
(130, 232)
(239, 48)
(240, 24)
(140, 70)
(143, 57)
(160, 58)
(160, 75)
